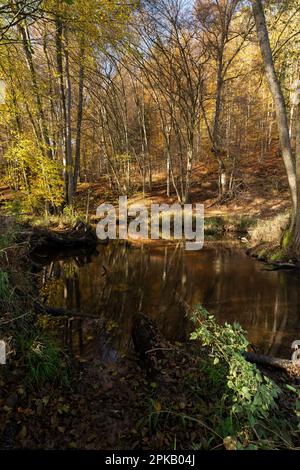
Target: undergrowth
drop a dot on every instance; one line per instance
(30, 349)
(42, 359)
(221, 399)
(247, 415)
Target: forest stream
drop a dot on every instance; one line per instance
(108, 287)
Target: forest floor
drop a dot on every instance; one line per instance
(263, 193)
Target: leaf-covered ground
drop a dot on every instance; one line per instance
(121, 406)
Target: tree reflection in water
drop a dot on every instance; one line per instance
(108, 289)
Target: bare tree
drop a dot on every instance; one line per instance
(223, 38)
(171, 61)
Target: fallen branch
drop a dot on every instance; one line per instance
(278, 266)
(81, 235)
(278, 363)
(60, 312)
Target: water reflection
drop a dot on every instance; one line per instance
(159, 281)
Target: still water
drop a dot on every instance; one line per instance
(110, 286)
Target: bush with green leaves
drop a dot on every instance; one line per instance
(296, 391)
(249, 392)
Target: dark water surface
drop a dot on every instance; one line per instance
(111, 286)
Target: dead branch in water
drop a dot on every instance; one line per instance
(275, 362)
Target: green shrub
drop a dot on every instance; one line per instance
(286, 239)
(248, 392)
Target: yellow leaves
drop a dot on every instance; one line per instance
(157, 406)
(122, 287)
(23, 433)
(25, 411)
(111, 325)
(63, 408)
(41, 404)
(39, 177)
(230, 443)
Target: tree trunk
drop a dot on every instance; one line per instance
(69, 124)
(28, 54)
(189, 165)
(278, 98)
(296, 241)
(59, 65)
(216, 126)
(222, 177)
(14, 101)
(168, 174)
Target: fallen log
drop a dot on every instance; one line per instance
(55, 312)
(281, 266)
(61, 312)
(80, 236)
(275, 362)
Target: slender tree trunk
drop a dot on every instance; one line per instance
(216, 126)
(278, 98)
(53, 115)
(60, 72)
(297, 218)
(189, 166)
(145, 139)
(15, 103)
(79, 120)
(28, 54)
(69, 123)
(168, 173)
(66, 102)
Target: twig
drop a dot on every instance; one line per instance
(13, 319)
(87, 206)
(12, 246)
(158, 349)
